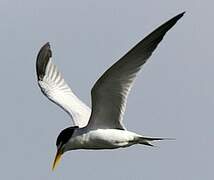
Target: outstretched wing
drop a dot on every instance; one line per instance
(56, 89)
(110, 92)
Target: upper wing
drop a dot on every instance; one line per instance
(109, 94)
(56, 89)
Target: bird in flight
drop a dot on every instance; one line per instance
(101, 126)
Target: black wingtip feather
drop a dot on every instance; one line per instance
(170, 23)
(179, 16)
(42, 60)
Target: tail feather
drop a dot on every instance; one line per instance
(147, 140)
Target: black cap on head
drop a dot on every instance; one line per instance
(65, 135)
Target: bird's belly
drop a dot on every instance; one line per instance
(103, 139)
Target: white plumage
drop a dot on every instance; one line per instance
(57, 90)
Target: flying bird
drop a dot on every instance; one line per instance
(101, 126)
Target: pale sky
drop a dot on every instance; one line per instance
(172, 97)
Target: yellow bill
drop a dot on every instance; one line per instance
(56, 160)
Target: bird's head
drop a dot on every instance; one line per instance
(61, 142)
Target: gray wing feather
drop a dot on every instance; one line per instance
(110, 92)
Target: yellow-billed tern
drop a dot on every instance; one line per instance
(100, 127)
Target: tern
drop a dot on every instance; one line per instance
(101, 126)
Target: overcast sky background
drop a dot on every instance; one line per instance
(172, 97)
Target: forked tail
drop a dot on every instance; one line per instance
(147, 140)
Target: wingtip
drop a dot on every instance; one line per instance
(43, 57)
(47, 44)
(183, 13)
(46, 47)
(180, 15)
